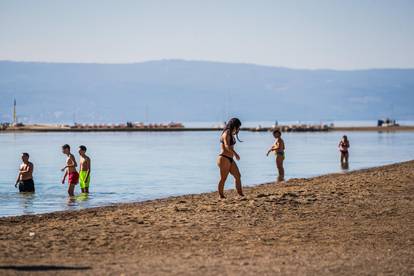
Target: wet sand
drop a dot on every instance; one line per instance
(355, 223)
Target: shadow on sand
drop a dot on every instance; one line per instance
(42, 267)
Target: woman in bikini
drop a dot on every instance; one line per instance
(225, 160)
(343, 148)
(279, 148)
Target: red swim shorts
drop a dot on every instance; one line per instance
(73, 178)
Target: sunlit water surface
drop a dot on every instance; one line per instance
(134, 166)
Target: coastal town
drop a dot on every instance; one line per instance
(16, 126)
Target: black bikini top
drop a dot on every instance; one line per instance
(344, 144)
(232, 140)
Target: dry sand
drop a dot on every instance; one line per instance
(356, 223)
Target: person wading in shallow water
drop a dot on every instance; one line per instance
(70, 170)
(225, 160)
(25, 176)
(343, 148)
(279, 148)
(84, 170)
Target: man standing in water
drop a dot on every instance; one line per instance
(84, 170)
(25, 176)
(70, 170)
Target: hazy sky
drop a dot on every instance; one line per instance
(301, 34)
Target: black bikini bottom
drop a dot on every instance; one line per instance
(228, 158)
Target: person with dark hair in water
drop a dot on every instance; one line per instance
(25, 176)
(279, 148)
(84, 170)
(343, 148)
(70, 170)
(225, 160)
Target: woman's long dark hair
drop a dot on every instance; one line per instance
(232, 124)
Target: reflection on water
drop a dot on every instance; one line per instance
(136, 166)
(79, 200)
(345, 166)
(82, 197)
(26, 202)
(71, 201)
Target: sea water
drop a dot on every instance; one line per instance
(137, 166)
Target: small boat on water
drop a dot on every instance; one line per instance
(387, 122)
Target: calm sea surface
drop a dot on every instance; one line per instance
(136, 166)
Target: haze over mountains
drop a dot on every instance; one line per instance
(177, 90)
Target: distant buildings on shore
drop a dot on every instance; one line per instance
(127, 125)
(387, 122)
(15, 125)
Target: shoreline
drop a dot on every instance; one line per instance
(359, 222)
(177, 197)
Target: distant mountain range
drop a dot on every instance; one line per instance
(177, 90)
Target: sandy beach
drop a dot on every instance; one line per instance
(360, 222)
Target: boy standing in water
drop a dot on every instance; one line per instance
(70, 170)
(25, 176)
(279, 148)
(84, 170)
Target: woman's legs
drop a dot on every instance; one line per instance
(281, 170)
(234, 170)
(224, 166)
(346, 157)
